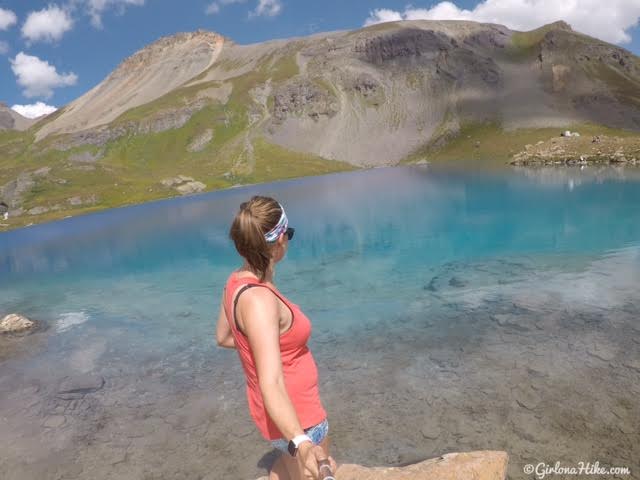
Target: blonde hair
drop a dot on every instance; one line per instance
(255, 218)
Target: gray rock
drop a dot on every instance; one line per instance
(79, 385)
(601, 351)
(159, 122)
(191, 187)
(78, 201)
(86, 157)
(457, 282)
(12, 192)
(54, 421)
(633, 363)
(527, 397)
(171, 182)
(510, 321)
(430, 429)
(38, 210)
(42, 172)
(303, 98)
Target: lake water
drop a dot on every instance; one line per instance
(452, 310)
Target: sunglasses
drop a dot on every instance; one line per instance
(290, 231)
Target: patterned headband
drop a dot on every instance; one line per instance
(281, 227)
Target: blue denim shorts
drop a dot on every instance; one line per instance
(317, 434)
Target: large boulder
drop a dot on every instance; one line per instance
(480, 465)
(14, 322)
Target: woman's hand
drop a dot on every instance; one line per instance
(309, 455)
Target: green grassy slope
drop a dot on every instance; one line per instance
(489, 146)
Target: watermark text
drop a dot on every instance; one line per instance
(542, 469)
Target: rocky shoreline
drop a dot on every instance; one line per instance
(576, 150)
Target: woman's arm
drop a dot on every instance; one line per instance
(224, 336)
(261, 324)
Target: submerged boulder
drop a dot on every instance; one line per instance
(14, 322)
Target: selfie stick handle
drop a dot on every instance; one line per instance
(324, 467)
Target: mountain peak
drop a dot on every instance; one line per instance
(200, 39)
(150, 73)
(559, 25)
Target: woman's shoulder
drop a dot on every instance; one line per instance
(251, 291)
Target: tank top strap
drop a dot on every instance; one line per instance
(235, 281)
(236, 286)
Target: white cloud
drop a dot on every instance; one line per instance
(34, 110)
(382, 15)
(267, 8)
(7, 19)
(4, 48)
(609, 20)
(38, 77)
(48, 25)
(97, 7)
(215, 7)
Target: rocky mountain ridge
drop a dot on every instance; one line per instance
(12, 120)
(149, 74)
(199, 105)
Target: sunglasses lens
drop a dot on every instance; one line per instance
(290, 232)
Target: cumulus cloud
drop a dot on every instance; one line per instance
(4, 48)
(610, 20)
(48, 24)
(38, 77)
(7, 19)
(215, 7)
(267, 8)
(97, 7)
(34, 110)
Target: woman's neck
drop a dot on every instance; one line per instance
(268, 277)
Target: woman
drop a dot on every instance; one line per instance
(270, 334)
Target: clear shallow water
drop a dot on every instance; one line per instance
(477, 306)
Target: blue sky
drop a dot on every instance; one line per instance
(82, 41)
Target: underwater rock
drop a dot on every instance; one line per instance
(430, 429)
(601, 351)
(510, 321)
(457, 282)
(78, 386)
(54, 421)
(15, 323)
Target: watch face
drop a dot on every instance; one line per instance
(292, 448)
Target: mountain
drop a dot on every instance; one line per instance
(12, 120)
(197, 111)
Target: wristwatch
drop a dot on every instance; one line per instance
(295, 442)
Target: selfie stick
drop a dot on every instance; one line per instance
(324, 467)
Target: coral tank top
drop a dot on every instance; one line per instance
(298, 366)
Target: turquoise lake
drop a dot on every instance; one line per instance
(452, 310)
